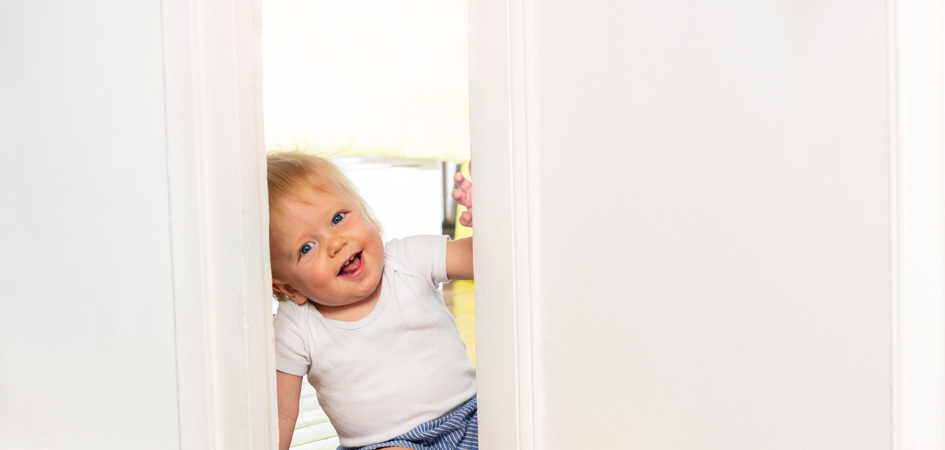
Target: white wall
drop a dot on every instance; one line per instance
(135, 270)
(699, 248)
(87, 351)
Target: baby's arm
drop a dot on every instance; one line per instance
(288, 391)
(459, 259)
(459, 253)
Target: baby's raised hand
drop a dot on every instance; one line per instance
(463, 196)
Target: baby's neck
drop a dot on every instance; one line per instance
(354, 311)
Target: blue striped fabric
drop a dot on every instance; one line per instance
(456, 431)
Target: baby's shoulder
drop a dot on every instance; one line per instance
(289, 315)
(421, 257)
(406, 247)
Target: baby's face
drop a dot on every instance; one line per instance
(330, 251)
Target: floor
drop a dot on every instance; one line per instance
(313, 431)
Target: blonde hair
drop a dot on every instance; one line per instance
(292, 175)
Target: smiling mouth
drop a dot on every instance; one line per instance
(352, 266)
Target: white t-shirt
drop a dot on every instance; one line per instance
(400, 366)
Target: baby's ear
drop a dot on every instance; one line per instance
(288, 291)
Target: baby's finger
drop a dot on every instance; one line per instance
(461, 181)
(462, 197)
(465, 219)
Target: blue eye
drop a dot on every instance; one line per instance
(305, 249)
(337, 218)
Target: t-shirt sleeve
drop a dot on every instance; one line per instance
(292, 356)
(426, 255)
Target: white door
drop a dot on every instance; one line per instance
(691, 221)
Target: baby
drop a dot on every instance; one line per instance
(365, 320)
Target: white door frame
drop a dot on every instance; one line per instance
(499, 112)
(917, 132)
(219, 218)
(499, 131)
(219, 223)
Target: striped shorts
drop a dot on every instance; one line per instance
(458, 430)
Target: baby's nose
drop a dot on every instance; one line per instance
(336, 244)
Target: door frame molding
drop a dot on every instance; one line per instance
(917, 150)
(499, 68)
(219, 218)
